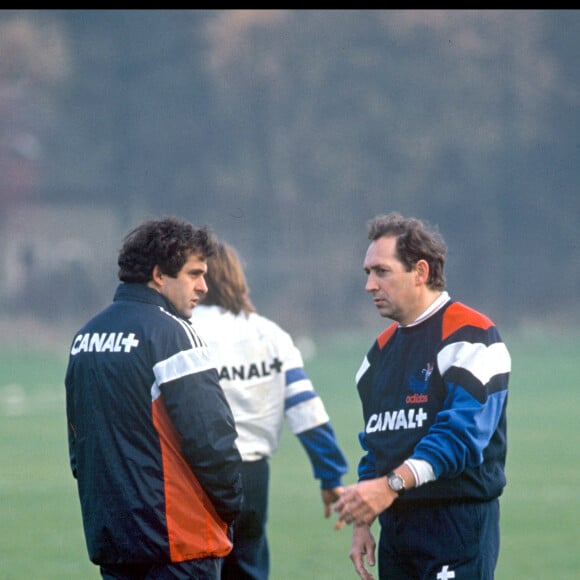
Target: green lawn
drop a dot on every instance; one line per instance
(42, 534)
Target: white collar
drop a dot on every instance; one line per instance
(441, 300)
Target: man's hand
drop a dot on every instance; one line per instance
(329, 497)
(363, 545)
(362, 502)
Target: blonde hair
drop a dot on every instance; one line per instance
(226, 281)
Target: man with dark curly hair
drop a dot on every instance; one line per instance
(151, 435)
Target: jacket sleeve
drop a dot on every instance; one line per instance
(71, 435)
(366, 466)
(328, 461)
(203, 419)
(309, 421)
(72, 450)
(475, 367)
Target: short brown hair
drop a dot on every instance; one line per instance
(414, 242)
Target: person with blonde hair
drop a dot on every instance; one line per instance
(263, 378)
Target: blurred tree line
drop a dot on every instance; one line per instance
(287, 130)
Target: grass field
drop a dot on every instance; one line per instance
(40, 520)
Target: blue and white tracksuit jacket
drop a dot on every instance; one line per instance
(263, 377)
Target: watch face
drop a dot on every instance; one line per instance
(396, 482)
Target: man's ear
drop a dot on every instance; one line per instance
(157, 277)
(422, 269)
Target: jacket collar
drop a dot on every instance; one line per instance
(141, 293)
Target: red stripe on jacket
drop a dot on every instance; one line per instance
(194, 528)
(458, 315)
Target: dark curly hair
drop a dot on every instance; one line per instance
(414, 242)
(167, 243)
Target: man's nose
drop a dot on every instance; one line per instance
(371, 284)
(201, 285)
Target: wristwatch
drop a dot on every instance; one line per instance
(396, 483)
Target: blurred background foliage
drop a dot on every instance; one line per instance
(286, 131)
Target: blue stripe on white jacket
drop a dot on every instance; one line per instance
(262, 374)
